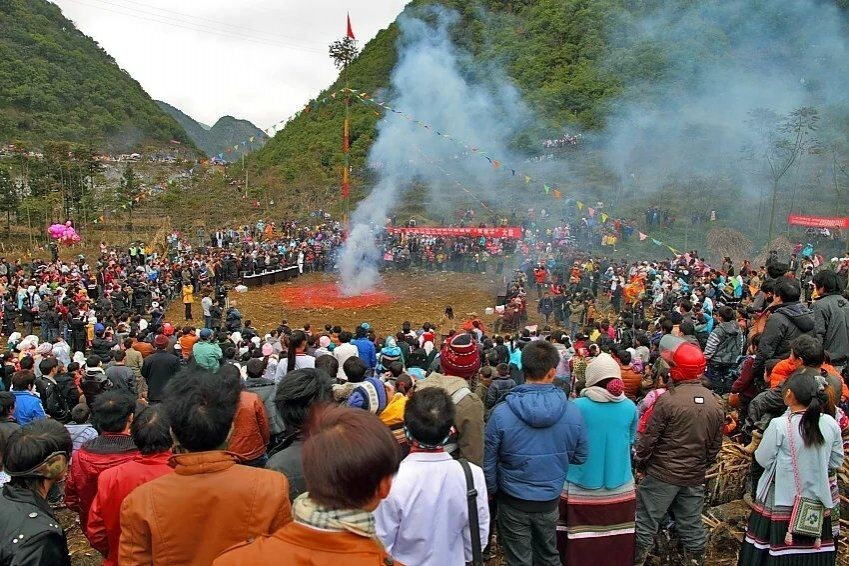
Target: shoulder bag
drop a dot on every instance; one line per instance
(808, 514)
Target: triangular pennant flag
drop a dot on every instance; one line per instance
(557, 194)
(496, 164)
(591, 210)
(333, 96)
(656, 242)
(527, 180)
(251, 139)
(580, 205)
(488, 159)
(546, 188)
(673, 250)
(604, 217)
(513, 171)
(642, 236)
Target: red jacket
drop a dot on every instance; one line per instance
(113, 485)
(93, 458)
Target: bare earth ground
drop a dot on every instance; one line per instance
(417, 297)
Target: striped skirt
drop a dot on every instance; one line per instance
(597, 525)
(764, 543)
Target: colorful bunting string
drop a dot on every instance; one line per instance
(497, 165)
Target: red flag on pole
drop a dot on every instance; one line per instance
(350, 29)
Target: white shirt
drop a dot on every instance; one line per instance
(205, 304)
(342, 352)
(425, 519)
(301, 361)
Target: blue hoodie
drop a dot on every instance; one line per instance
(530, 440)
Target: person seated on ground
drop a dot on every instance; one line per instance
(349, 461)
(212, 503)
(36, 459)
(296, 396)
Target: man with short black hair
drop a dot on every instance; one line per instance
(344, 351)
(192, 527)
(152, 435)
(119, 374)
(28, 406)
(789, 320)
(54, 403)
(112, 414)
(159, 368)
(831, 318)
(430, 488)
(531, 439)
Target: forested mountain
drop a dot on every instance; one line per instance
(58, 84)
(225, 133)
(668, 96)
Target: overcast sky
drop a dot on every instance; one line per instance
(256, 59)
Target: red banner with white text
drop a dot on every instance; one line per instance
(496, 232)
(818, 221)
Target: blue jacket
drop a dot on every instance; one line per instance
(365, 347)
(530, 440)
(611, 430)
(27, 407)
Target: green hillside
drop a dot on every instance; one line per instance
(579, 63)
(58, 84)
(226, 132)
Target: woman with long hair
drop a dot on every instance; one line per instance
(797, 451)
(296, 356)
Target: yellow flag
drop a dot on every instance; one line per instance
(580, 205)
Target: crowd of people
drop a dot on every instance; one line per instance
(570, 435)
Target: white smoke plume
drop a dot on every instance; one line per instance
(436, 83)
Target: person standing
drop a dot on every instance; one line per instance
(188, 294)
(210, 502)
(206, 305)
(158, 369)
(681, 441)
(350, 459)
(342, 352)
(112, 414)
(36, 458)
(598, 502)
(798, 450)
(151, 435)
(531, 439)
(831, 318)
(430, 488)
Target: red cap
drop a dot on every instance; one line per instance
(686, 361)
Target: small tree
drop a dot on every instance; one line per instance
(8, 197)
(781, 143)
(343, 52)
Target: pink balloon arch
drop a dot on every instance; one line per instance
(64, 233)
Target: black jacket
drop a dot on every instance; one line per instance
(101, 347)
(266, 389)
(787, 322)
(29, 533)
(158, 369)
(831, 325)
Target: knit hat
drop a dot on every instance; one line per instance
(44, 348)
(160, 341)
(324, 341)
(600, 368)
(460, 356)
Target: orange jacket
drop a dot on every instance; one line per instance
(187, 342)
(633, 382)
(784, 368)
(299, 545)
(207, 505)
(250, 427)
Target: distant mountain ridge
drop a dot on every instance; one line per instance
(57, 84)
(225, 133)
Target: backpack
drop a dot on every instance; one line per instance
(54, 402)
